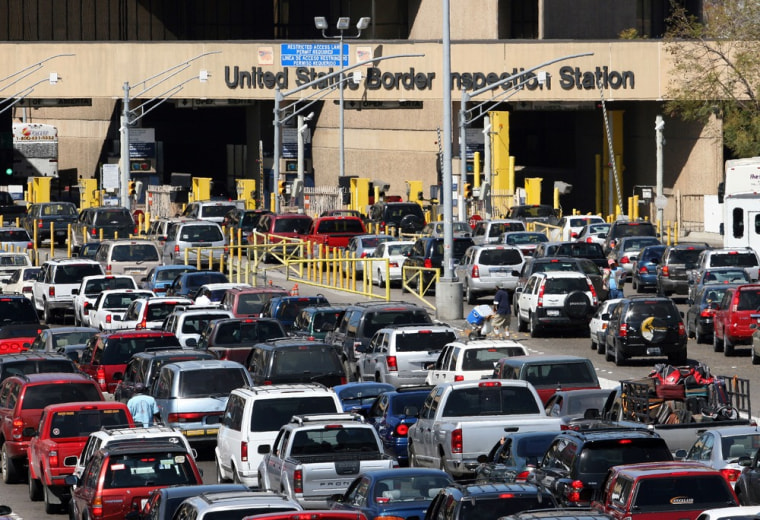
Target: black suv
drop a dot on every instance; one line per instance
(645, 326)
(493, 500)
(41, 215)
(428, 252)
(559, 263)
(534, 213)
(34, 363)
(674, 266)
(361, 320)
(407, 217)
(110, 220)
(290, 360)
(576, 462)
(142, 370)
(590, 250)
(627, 228)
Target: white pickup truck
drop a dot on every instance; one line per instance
(460, 421)
(317, 456)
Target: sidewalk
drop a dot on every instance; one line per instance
(714, 239)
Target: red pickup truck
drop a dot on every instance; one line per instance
(54, 449)
(333, 231)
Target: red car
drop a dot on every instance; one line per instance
(22, 399)
(106, 355)
(62, 433)
(738, 309)
(272, 229)
(663, 491)
(18, 338)
(245, 302)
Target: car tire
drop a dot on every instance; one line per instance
(728, 347)
(755, 358)
(699, 336)
(235, 477)
(601, 348)
(35, 489)
(8, 467)
(470, 296)
(219, 476)
(608, 354)
(717, 343)
(379, 279)
(47, 314)
(593, 345)
(634, 284)
(619, 357)
(522, 325)
(535, 328)
(687, 328)
(347, 370)
(412, 457)
(577, 305)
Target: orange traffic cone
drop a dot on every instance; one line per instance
(294, 290)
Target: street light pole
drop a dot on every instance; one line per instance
(124, 162)
(320, 22)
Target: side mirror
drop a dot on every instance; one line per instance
(264, 449)
(682, 314)
(118, 376)
(75, 292)
(606, 316)
(680, 454)
(5, 510)
(71, 480)
(361, 348)
(516, 274)
(70, 461)
(335, 499)
(191, 342)
(29, 432)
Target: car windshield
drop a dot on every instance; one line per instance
(306, 360)
(64, 339)
(248, 331)
(15, 235)
(168, 275)
(485, 358)
(210, 381)
(561, 373)
(682, 493)
(500, 257)
(81, 423)
(149, 469)
(269, 415)
(423, 340)
(135, 253)
(118, 351)
(492, 400)
(299, 226)
(733, 259)
(37, 397)
(73, 273)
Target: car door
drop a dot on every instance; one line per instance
(229, 438)
(368, 360)
(435, 375)
(527, 300)
(428, 434)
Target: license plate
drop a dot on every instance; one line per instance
(499, 273)
(194, 433)
(552, 313)
(654, 351)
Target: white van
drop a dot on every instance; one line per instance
(742, 221)
(252, 419)
(465, 361)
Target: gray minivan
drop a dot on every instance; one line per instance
(189, 235)
(133, 257)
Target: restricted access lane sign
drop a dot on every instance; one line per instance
(312, 55)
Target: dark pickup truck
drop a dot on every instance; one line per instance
(9, 210)
(234, 338)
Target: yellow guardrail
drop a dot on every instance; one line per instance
(422, 287)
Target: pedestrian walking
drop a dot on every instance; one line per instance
(143, 407)
(613, 280)
(503, 310)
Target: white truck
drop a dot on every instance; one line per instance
(317, 456)
(741, 221)
(460, 421)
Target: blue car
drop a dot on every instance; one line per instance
(188, 283)
(393, 493)
(392, 414)
(160, 278)
(287, 308)
(514, 457)
(359, 396)
(644, 270)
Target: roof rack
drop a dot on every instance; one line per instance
(326, 417)
(287, 387)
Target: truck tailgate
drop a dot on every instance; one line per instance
(329, 478)
(479, 436)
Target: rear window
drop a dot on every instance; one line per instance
(37, 397)
(14, 236)
(580, 250)
(685, 256)
(34, 367)
(288, 310)
(638, 244)
(214, 210)
(565, 373)
(74, 273)
(306, 360)
(749, 300)
(373, 241)
(65, 339)
(81, 423)
(683, 493)
(375, 321)
(122, 300)
(638, 229)
(485, 358)
(113, 218)
(253, 303)
(194, 281)
(160, 311)
(495, 400)
(599, 456)
(24, 331)
(236, 332)
(740, 445)
(118, 351)
(134, 253)
(270, 414)
(95, 287)
(526, 238)
(201, 233)
(341, 225)
(565, 285)
(423, 341)
(18, 310)
(494, 506)
(149, 469)
(337, 440)
(195, 324)
(292, 225)
(643, 309)
(499, 257)
(168, 275)
(209, 382)
(733, 260)
(728, 276)
(503, 227)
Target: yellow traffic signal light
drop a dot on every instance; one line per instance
(132, 188)
(467, 190)
(281, 187)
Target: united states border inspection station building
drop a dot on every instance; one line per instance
(219, 128)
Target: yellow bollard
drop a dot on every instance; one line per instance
(68, 240)
(667, 230)
(34, 235)
(101, 235)
(52, 240)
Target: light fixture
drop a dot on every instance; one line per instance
(320, 22)
(343, 23)
(363, 23)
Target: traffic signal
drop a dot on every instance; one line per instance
(467, 190)
(132, 188)
(281, 187)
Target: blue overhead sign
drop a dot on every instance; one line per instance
(312, 55)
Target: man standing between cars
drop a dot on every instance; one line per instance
(503, 310)
(143, 407)
(613, 280)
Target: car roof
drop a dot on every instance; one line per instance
(284, 390)
(544, 358)
(485, 343)
(378, 474)
(203, 364)
(141, 333)
(649, 469)
(35, 355)
(85, 405)
(52, 377)
(146, 445)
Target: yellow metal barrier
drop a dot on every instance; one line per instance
(416, 274)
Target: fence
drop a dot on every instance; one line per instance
(691, 212)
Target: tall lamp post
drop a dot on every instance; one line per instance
(320, 22)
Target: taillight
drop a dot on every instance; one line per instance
(665, 270)
(392, 264)
(475, 271)
(244, 451)
(101, 377)
(456, 441)
(625, 260)
(39, 224)
(392, 363)
(588, 240)
(428, 263)
(382, 226)
(522, 476)
(186, 417)
(643, 270)
(574, 491)
(735, 302)
(595, 300)
(143, 324)
(707, 313)
(343, 380)
(298, 481)
(681, 329)
(623, 330)
(94, 232)
(458, 378)
(29, 245)
(17, 428)
(97, 506)
(364, 255)
(51, 291)
(108, 268)
(108, 318)
(402, 430)
(541, 295)
(732, 475)
(176, 248)
(53, 458)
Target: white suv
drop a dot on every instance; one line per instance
(252, 419)
(465, 361)
(187, 322)
(58, 278)
(403, 355)
(556, 299)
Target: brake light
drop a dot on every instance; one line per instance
(522, 476)
(382, 226)
(681, 329)
(643, 270)
(402, 430)
(244, 451)
(732, 475)
(573, 235)
(593, 292)
(458, 378)
(392, 264)
(492, 384)
(541, 295)
(143, 324)
(97, 506)
(108, 269)
(93, 232)
(623, 330)
(101, 377)
(17, 427)
(735, 302)
(53, 458)
(29, 245)
(186, 417)
(707, 313)
(588, 240)
(392, 363)
(298, 481)
(574, 491)
(665, 270)
(475, 271)
(428, 263)
(625, 260)
(364, 255)
(51, 291)
(176, 248)
(39, 224)
(456, 441)
(108, 318)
